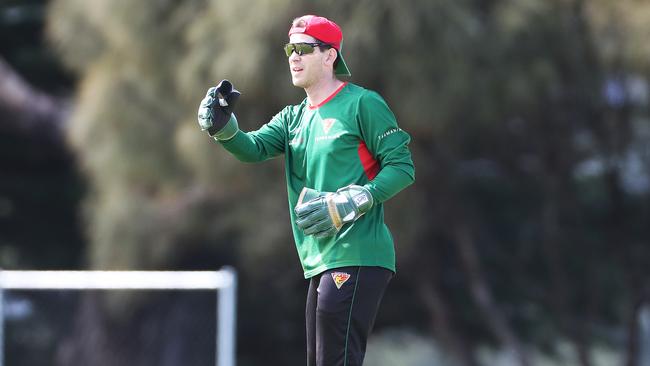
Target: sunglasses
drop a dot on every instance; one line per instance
(302, 48)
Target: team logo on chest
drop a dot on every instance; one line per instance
(340, 278)
(327, 124)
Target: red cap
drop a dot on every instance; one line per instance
(320, 28)
(325, 31)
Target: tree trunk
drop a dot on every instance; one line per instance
(441, 324)
(633, 335)
(559, 293)
(38, 112)
(483, 297)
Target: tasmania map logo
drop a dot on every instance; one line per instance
(340, 278)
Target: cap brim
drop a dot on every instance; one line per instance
(342, 67)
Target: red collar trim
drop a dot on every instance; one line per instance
(330, 97)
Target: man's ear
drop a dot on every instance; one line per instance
(331, 55)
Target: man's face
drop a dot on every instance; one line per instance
(308, 69)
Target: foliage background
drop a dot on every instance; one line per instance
(524, 240)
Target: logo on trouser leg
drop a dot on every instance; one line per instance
(340, 278)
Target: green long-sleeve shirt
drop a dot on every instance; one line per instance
(350, 138)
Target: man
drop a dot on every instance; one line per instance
(344, 156)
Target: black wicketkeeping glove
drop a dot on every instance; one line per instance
(216, 108)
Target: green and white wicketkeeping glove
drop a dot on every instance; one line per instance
(215, 112)
(323, 214)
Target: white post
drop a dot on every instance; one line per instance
(224, 281)
(2, 325)
(226, 320)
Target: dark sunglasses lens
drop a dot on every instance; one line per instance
(299, 48)
(288, 49)
(304, 48)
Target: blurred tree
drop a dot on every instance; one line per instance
(528, 221)
(38, 178)
(40, 187)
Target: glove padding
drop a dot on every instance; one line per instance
(322, 214)
(216, 108)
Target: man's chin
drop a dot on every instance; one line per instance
(298, 83)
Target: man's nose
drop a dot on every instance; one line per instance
(294, 56)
